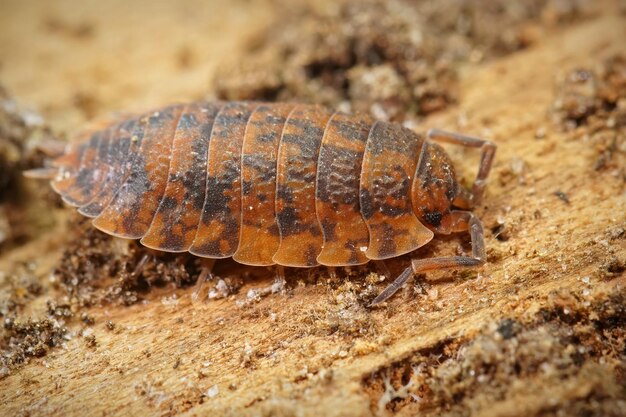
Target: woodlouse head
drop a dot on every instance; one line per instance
(435, 188)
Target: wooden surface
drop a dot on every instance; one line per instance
(314, 346)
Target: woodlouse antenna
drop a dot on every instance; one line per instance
(52, 148)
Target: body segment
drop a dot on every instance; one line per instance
(346, 237)
(218, 231)
(296, 169)
(389, 166)
(131, 211)
(259, 236)
(175, 223)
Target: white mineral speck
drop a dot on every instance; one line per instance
(213, 391)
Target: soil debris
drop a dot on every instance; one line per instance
(31, 325)
(387, 58)
(21, 132)
(96, 268)
(562, 196)
(18, 287)
(21, 340)
(591, 106)
(574, 343)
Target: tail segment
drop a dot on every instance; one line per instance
(41, 173)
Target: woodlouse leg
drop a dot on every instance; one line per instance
(464, 220)
(279, 280)
(280, 273)
(488, 150)
(200, 289)
(142, 262)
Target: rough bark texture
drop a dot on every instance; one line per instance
(93, 323)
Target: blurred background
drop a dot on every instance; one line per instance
(73, 60)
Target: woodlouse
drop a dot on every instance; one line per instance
(274, 183)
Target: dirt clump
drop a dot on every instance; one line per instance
(21, 132)
(21, 339)
(97, 268)
(591, 106)
(32, 338)
(565, 358)
(390, 59)
(18, 287)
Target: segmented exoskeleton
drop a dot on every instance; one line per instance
(273, 183)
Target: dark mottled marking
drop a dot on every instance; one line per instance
(217, 202)
(308, 149)
(435, 188)
(169, 203)
(289, 215)
(394, 137)
(195, 181)
(187, 121)
(135, 186)
(100, 165)
(246, 187)
(84, 178)
(259, 238)
(353, 248)
(328, 229)
(270, 137)
(451, 193)
(311, 254)
(337, 194)
(350, 130)
(265, 167)
(69, 165)
(273, 230)
(395, 184)
(388, 248)
(367, 203)
(285, 193)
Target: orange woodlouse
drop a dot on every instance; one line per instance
(274, 183)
